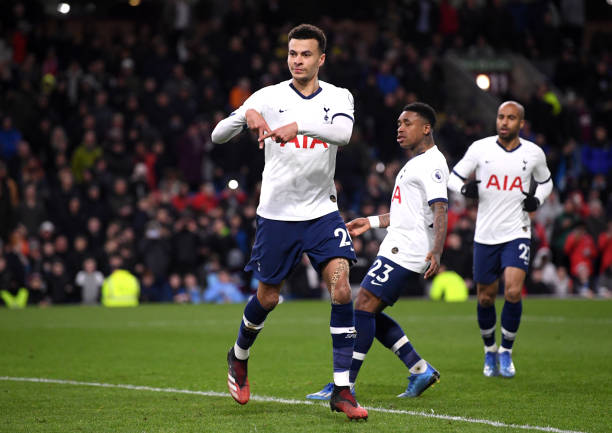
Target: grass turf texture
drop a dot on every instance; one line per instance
(562, 356)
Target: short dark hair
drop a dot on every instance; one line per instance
(424, 110)
(308, 31)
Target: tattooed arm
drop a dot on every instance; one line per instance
(439, 225)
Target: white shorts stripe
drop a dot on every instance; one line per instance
(399, 343)
(359, 356)
(251, 325)
(335, 330)
(507, 334)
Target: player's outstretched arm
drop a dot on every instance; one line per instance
(362, 225)
(440, 211)
(338, 133)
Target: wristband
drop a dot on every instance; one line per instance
(374, 221)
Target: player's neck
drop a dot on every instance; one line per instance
(423, 146)
(509, 145)
(306, 88)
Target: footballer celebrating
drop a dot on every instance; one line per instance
(504, 166)
(416, 231)
(300, 123)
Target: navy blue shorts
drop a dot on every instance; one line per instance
(386, 279)
(279, 245)
(491, 260)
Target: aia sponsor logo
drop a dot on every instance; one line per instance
(504, 183)
(306, 143)
(397, 195)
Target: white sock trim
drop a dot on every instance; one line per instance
(241, 353)
(503, 349)
(399, 343)
(492, 348)
(251, 325)
(508, 335)
(419, 367)
(341, 378)
(359, 356)
(489, 331)
(349, 330)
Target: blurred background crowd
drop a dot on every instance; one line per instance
(107, 161)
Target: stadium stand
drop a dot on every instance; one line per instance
(106, 117)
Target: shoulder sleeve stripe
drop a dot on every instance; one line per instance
(549, 178)
(458, 175)
(342, 114)
(435, 200)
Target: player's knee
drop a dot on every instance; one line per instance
(268, 300)
(268, 295)
(341, 294)
(486, 299)
(513, 294)
(365, 301)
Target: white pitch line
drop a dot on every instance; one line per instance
(287, 401)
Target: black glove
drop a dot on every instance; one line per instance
(470, 189)
(531, 202)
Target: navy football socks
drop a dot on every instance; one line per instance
(342, 329)
(510, 321)
(391, 335)
(252, 322)
(365, 324)
(486, 322)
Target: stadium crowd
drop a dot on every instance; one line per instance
(107, 160)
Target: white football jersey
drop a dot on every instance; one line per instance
(410, 236)
(298, 177)
(503, 176)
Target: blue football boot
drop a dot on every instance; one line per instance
(417, 383)
(326, 392)
(506, 366)
(490, 364)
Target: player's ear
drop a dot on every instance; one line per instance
(321, 60)
(427, 129)
(522, 123)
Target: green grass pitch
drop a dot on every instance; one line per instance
(563, 357)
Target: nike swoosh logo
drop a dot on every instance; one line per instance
(375, 283)
(281, 111)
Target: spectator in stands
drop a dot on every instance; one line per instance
(221, 289)
(581, 250)
(120, 288)
(60, 287)
(9, 201)
(31, 212)
(89, 280)
(9, 137)
(85, 155)
(563, 225)
(179, 292)
(194, 291)
(604, 244)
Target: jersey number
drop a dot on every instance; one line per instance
(385, 274)
(524, 256)
(346, 239)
